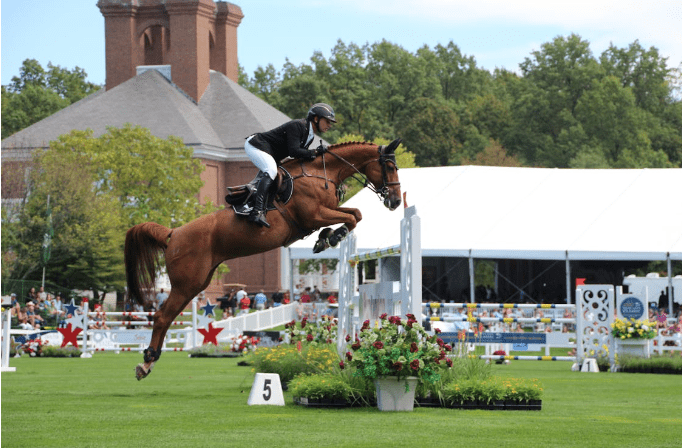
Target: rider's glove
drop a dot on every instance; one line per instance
(321, 149)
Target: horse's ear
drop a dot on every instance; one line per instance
(390, 149)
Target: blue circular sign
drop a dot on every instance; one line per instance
(632, 308)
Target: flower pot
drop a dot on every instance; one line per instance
(633, 347)
(534, 405)
(391, 393)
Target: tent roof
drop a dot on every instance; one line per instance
(529, 213)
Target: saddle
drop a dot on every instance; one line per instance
(241, 197)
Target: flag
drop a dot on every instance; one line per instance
(49, 233)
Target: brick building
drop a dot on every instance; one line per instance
(171, 66)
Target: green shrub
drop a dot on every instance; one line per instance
(327, 386)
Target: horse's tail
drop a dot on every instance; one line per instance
(142, 246)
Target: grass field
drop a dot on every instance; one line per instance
(202, 402)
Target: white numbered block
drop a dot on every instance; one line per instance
(590, 365)
(266, 389)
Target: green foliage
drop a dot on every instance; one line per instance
(288, 361)
(38, 93)
(567, 108)
(88, 232)
(154, 179)
(320, 386)
(98, 188)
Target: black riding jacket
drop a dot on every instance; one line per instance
(287, 140)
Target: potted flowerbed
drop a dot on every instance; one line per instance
(325, 390)
(633, 336)
(396, 356)
(494, 394)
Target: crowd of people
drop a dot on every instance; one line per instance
(39, 309)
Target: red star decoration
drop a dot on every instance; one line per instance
(210, 334)
(70, 335)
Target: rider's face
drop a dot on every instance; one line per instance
(323, 125)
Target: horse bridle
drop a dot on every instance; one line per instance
(384, 159)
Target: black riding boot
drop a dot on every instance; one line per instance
(260, 202)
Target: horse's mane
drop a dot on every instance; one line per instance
(346, 144)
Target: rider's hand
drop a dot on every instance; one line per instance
(320, 149)
(311, 156)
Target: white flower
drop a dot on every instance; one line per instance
(645, 328)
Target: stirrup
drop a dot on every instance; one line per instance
(259, 218)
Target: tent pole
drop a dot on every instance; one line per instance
(670, 286)
(472, 296)
(568, 279)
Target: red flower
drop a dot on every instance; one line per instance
(378, 345)
(440, 342)
(343, 366)
(448, 347)
(355, 346)
(409, 323)
(304, 321)
(365, 325)
(414, 348)
(309, 337)
(398, 366)
(383, 316)
(349, 356)
(395, 320)
(437, 330)
(442, 355)
(347, 338)
(410, 316)
(448, 361)
(414, 365)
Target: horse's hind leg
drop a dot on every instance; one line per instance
(162, 321)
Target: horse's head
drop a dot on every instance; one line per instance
(383, 175)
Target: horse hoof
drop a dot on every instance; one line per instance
(320, 245)
(140, 372)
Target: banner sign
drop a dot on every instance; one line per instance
(497, 338)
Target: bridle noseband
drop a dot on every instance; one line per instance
(384, 159)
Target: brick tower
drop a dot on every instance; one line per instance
(191, 36)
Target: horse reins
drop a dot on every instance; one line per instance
(383, 160)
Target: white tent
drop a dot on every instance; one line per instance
(529, 213)
(480, 212)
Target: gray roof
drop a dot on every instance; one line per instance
(216, 128)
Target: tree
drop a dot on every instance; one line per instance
(36, 94)
(493, 155)
(154, 179)
(86, 250)
(430, 128)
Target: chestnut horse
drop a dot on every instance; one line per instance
(193, 251)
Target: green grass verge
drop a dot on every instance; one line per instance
(188, 402)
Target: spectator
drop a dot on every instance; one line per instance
(33, 317)
(285, 298)
(42, 295)
(331, 298)
(277, 299)
(305, 297)
(99, 321)
(243, 301)
(260, 300)
(300, 310)
(15, 305)
(225, 304)
(22, 319)
(297, 291)
(315, 294)
(161, 298)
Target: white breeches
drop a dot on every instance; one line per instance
(261, 159)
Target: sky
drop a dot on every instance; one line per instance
(498, 34)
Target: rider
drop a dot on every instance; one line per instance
(292, 139)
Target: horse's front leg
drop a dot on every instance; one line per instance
(349, 217)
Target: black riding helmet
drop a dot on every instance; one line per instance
(321, 110)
